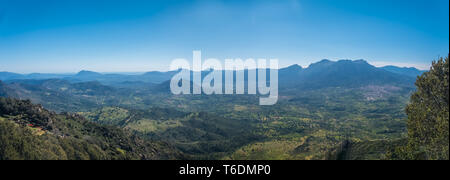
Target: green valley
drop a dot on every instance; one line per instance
(346, 119)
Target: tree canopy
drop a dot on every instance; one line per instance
(428, 115)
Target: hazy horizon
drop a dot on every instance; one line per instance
(379, 65)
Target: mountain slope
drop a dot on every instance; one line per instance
(56, 93)
(199, 135)
(412, 72)
(29, 131)
(343, 73)
(9, 75)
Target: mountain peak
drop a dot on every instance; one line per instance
(397, 67)
(295, 67)
(9, 75)
(361, 61)
(323, 61)
(88, 73)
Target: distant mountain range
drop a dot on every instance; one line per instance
(322, 73)
(83, 76)
(411, 71)
(344, 73)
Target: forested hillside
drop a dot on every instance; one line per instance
(29, 131)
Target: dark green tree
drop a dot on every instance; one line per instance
(428, 116)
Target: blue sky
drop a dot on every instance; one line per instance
(136, 35)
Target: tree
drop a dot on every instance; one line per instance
(428, 115)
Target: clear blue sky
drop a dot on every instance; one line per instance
(137, 35)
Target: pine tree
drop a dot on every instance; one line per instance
(428, 116)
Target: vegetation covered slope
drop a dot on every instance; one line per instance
(428, 116)
(29, 131)
(198, 134)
